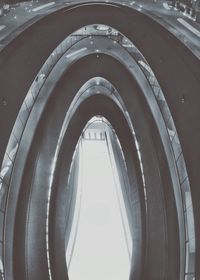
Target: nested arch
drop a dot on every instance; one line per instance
(93, 105)
(168, 229)
(39, 155)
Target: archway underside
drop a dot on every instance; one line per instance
(81, 84)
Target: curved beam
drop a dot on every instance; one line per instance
(163, 73)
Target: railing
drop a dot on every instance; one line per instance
(184, 184)
(17, 132)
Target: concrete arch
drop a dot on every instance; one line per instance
(163, 81)
(37, 255)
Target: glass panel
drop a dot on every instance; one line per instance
(187, 200)
(190, 222)
(6, 169)
(181, 168)
(3, 193)
(1, 225)
(1, 262)
(190, 261)
(189, 277)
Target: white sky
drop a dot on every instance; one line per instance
(100, 251)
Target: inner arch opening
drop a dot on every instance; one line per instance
(100, 244)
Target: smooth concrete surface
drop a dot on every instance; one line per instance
(79, 117)
(168, 59)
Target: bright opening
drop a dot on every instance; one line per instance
(100, 241)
